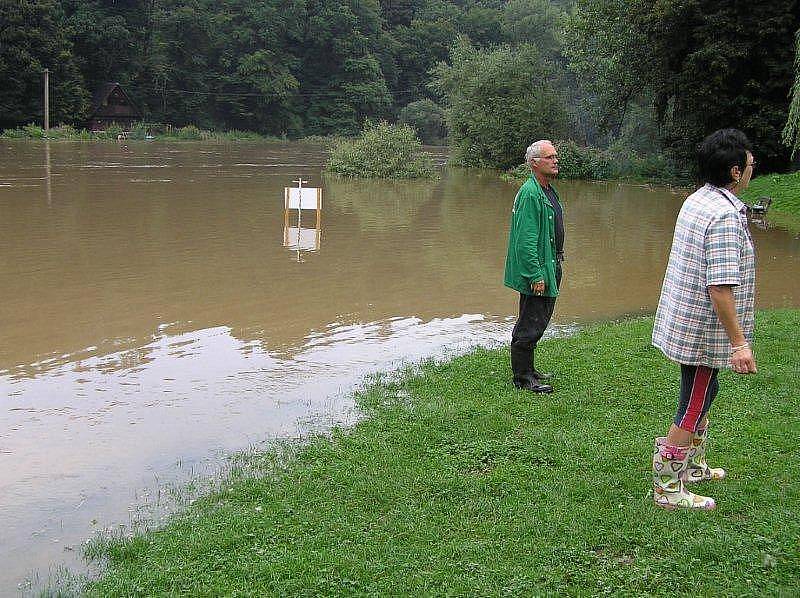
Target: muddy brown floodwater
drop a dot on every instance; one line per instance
(156, 314)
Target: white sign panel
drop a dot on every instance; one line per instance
(304, 239)
(307, 198)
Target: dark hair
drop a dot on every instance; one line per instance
(719, 152)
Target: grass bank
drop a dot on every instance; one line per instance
(784, 189)
(458, 484)
(143, 131)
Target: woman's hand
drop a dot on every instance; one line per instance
(743, 361)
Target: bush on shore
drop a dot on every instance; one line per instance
(138, 131)
(383, 151)
(593, 164)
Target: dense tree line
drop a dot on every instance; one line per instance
(633, 76)
(295, 67)
(693, 65)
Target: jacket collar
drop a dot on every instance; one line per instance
(532, 177)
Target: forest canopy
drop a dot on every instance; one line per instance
(634, 76)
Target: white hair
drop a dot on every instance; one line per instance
(535, 150)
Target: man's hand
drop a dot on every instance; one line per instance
(537, 287)
(743, 361)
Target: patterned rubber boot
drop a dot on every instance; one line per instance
(698, 469)
(669, 469)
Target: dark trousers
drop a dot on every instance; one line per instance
(534, 316)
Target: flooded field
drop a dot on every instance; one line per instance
(159, 310)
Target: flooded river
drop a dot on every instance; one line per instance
(159, 310)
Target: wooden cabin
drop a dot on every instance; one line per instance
(112, 106)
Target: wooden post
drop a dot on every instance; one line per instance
(319, 207)
(285, 207)
(46, 101)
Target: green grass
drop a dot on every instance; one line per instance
(785, 192)
(457, 484)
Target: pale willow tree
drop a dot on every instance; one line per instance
(791, 133)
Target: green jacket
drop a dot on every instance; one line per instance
(531, 241)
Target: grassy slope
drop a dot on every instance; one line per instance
(458, 484)
(785, 192)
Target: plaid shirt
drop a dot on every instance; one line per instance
(711, 246)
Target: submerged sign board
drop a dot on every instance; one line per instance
(297, 238)
(302, 198)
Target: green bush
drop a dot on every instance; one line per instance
(32, 131)
(190, 132)
(383, 151)
(63, 132)
(584, 162)
(576, 162)
(18, 133)
(593, 164)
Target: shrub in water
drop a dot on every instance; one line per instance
(33, 131)
(586, 163)
(190, 132)
(383, 151)
(18, 133)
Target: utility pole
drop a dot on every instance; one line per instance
(46, 102)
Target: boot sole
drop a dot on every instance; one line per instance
(669, 507)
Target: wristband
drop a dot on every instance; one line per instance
(739, 348)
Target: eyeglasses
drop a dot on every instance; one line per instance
(552, 157)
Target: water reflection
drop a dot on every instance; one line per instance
(48, 185)
(149, 313)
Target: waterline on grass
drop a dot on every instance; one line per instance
(473, 491)
(313, 385)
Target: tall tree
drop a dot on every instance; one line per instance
(611, 60)
(341, 78)
(32, 39)
(498, 101)
(105, 44)
(791, 132)
(257, 66)
(535, 22)
(704, 65)
(721, 64)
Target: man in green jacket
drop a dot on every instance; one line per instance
(533, 262)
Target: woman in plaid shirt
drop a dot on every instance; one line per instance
(704, 319)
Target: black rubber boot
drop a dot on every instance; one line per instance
(522, 368)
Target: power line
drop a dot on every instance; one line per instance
(290, 94)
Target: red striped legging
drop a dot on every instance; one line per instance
(699, 386)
